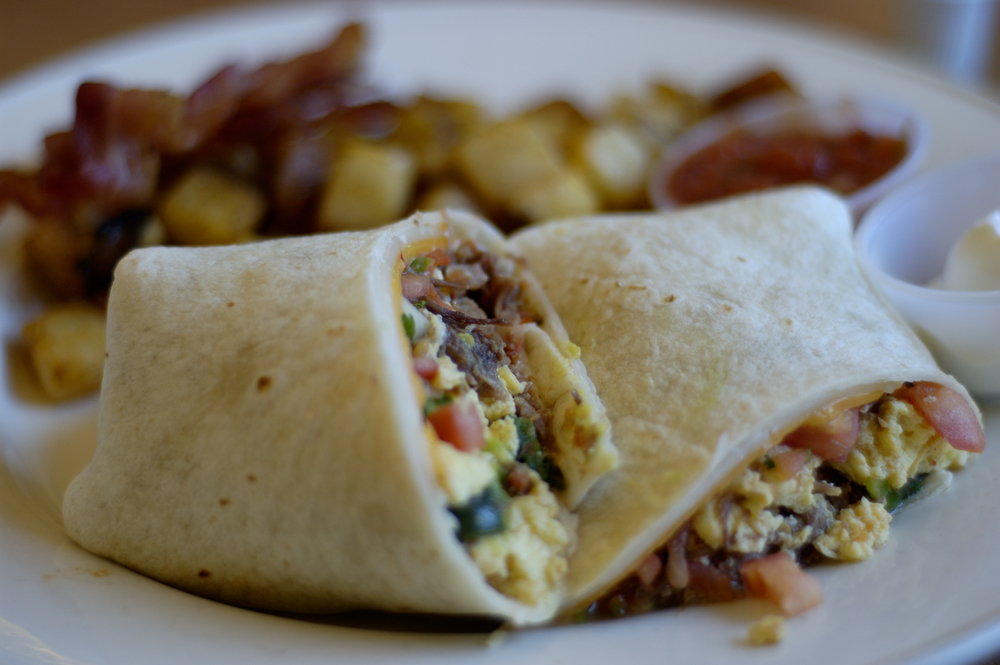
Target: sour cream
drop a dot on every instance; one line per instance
(973, 264)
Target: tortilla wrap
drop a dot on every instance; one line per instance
(261, 434)
(710, 333)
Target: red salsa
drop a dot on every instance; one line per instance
(743, 162)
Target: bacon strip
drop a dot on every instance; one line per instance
(111, 159)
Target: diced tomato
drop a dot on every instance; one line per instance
(435, 297)
(415, 286)
(788, 461)
(458, 423)
(832, 441)
(425, 367)
(779, 579)
(948, 413)
(439, 256)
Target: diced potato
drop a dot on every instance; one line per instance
(616, 162)
(153, 233)
(564, 194)
(66, 347)
(431, 128)
(370, 185)
(447, 195)
(53, 251)
(659, 115)
(208, 207)
(506, 158)
(559, 123)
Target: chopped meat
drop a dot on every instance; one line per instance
(518, 481)
(469, 276)
(476, 287)
(529, 406)
(468, 306)
(478, 361)
(460, 320)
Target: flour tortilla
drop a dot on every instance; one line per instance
(710, 333)
(261, 436)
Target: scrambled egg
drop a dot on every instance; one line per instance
(582, 447)
(460, 474)
(528, 560)
(428, 341)
(894, 445)
(753, 521)
(859, 530)
(504, 442)
(769, 629)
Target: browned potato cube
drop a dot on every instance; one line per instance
(153, 233)
(447, 195)
(208, 207)
(505, 158)
(565, 194)
(66, 347)
(660, 114)
(616, 162)
(53, 251)
(370, 185)
(431, 129)
(559, 122)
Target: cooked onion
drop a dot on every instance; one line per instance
(677, 566)
(649, 569)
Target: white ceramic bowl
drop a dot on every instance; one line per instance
(902, 243)
(786, 112)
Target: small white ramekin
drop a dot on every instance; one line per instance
(902, 243)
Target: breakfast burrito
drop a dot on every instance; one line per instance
(769, 409)
(392, 419)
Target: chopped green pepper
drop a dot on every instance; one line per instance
(434, 403)
(878, 488)
(893, 498)
(768, 462)
(421, 264)
(531, 454)
(483, 514)
(588, 613)
(617, 606)
(409, 327)
(525, 431)
(498, 449)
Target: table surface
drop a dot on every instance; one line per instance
(32, 31)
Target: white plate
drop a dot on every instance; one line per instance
(932, 595)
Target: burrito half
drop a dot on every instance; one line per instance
(392, 419)
(770, 410)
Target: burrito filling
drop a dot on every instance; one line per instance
(824, 493)
(500, 439)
